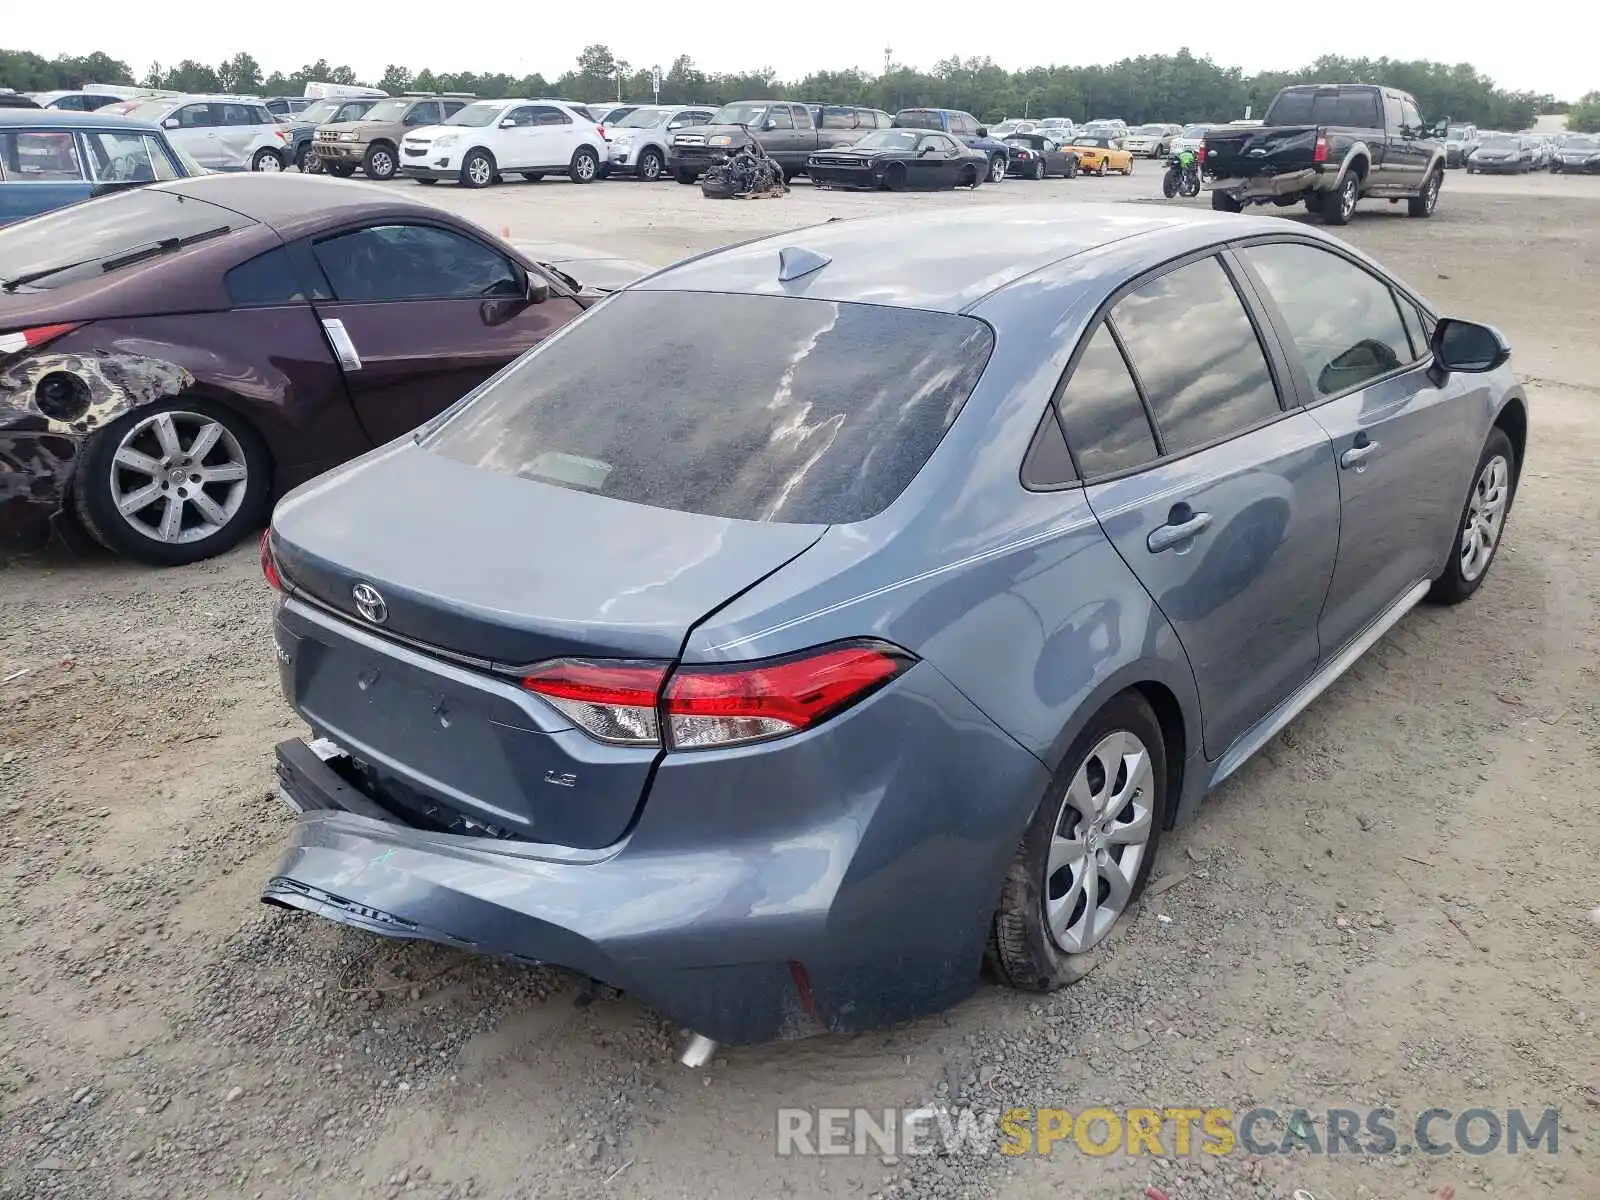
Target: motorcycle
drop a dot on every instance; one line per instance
(1183, 175)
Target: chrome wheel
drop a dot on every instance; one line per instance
(997, 169)
(584, 167)
(650, 166)
(178, 477)
(480, 170)
(1099, 843)
(1347, 197)
(1486, 515)
(1430, 194)
(381, 164)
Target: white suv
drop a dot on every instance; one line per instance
(221, 133)
(485, 140)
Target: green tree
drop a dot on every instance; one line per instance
(191, 76)
(396, 79)
(1584, 116)
(240, 75)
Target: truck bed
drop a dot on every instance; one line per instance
(1247, 153)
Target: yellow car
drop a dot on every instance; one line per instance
(1097, 155)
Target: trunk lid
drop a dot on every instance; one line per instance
(479, 571)
(512, 571)
(1264, 150)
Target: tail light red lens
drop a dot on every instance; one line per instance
(1320, 154)
(702, 707)
(32, 339)
(715, 706)
(269, 565)
(613, 701)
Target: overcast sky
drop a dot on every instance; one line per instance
(830, 34)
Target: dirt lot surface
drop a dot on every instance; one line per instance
(1389, 907)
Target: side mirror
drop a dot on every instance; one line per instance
(1467, 346)
(538, 290)
(170, 123)
(983, 131)
(508, 123)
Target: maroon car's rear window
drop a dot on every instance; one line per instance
(761, 408)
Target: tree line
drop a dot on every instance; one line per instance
(1176, 87)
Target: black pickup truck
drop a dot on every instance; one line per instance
(789, 133)
(1328, 145)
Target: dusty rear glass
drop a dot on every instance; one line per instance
(1326, 106)
(760, 408)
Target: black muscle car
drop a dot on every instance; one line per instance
(1039, 156)
(898, 159)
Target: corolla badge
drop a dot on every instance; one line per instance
(370, 603)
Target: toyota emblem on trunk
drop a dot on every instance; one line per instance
(370, 603)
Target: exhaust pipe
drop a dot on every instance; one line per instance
(699, 1050)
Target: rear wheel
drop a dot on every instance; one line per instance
(426, 181)
(1169, 184)
(651, 165)
(173, 483)
(684, 175)
(1222, 202)
(585, 166)
(1087, 853)
(1100, 168)
(1038, 169)
(1423, 204)
(477, 169)
(267, 160)
(533, 176)
(1483, 520)
(340, 170)
(997, 168)
(302, 159)
(970, 178)
(1339, 204)
(379, 162)
(1129, 170)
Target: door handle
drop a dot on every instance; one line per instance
(1183, 525)
(343, 347)
(1360, 450)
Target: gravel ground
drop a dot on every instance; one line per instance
(1387, 907)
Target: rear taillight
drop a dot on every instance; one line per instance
(614, 701)
(1320, 154)
(702, 707)
(269, 565)
(32, 339)
(1200, 152)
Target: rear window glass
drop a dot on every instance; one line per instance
(760, 408)
(1326, 106)
(76, 243)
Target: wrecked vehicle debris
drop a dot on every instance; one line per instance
(162, 344)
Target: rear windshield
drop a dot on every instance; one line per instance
(919, 118)
(89, 239)
(759, 408)
(1326, 106)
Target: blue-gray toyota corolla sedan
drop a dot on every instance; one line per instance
(820, 618)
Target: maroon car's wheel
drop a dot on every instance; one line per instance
(173, 483)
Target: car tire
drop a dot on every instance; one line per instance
(1485, 512)
(108, 480)
(585, 167)
(1100, 168)
(1072, 168)
(1043, 921)
(1223, 202)
(1129, 171)
(339, 170)
(685, 176)
(1039, 171)
(267, 160)
(478, 169)
(1423, 204)
(302, 159)
(971, 178)
(894, 177)
(426, 181)
(997, 168)
(379, 162)
(533, 176)
(651, 165)
(1340, 204)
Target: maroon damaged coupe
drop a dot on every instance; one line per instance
(171, 359)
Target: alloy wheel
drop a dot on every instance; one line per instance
(997, 169)
(479, 171)
(1099, 844)
(584, 167)
(1486, 515)
(178, 477)
(650, 166)
(382, 164)
(1347, 196)
(1430, 194)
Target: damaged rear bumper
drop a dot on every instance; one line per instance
(745, 905)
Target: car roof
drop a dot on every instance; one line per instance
(55, 118)
(942, 260)
(279, 200)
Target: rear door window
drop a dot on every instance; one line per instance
(778, 117)
(1343, 320)
(40, 156)
(760, 408)
(1104, 419)
(413, 262)
(1196, 354)
(265, 280)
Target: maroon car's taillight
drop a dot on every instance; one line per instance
(32, 339)
(269, 565)
(703, 707)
